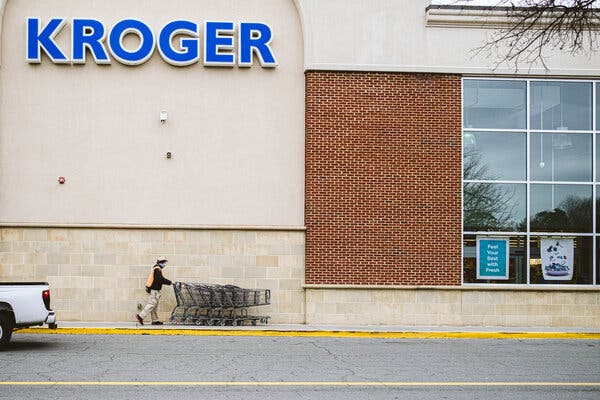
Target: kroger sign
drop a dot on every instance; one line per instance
(253, 40)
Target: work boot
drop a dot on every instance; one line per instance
(140, 319)
(157, 323)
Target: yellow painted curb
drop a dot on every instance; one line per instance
(332, 334)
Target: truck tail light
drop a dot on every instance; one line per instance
(46, 298)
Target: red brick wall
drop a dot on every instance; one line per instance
(383, 178)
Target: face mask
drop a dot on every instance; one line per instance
(162, 264)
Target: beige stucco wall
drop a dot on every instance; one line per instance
(392, 35)
(453, 307)
(99, 274)
(236, 134)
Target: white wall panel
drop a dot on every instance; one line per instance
(392, 35)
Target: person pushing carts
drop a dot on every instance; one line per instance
(153, 287)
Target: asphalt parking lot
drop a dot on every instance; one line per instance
(146, 366)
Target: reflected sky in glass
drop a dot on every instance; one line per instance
(491, 104)
(563, 157)
(561, 105)
(597, 106)
(494, 156)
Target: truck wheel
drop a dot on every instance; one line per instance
(5, 328)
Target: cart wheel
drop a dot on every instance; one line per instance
(222, 322)
(234, 323)
(198, 322)
(209, 322)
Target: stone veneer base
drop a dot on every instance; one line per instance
(99, 274)
(454, 306)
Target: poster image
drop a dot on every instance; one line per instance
(557, 259)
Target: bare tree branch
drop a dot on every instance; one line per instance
(535, 28)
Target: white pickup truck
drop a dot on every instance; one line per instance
(24, 304)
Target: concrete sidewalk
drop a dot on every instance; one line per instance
(301, 330)
(329, 328)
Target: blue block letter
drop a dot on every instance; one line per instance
(190, 46)
(44, 40)
(138, 28)
(254, 38)
(89, 33)
(218, 36)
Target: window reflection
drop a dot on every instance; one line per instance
(598, 210)
(561, 105)
(561, 208)
(561, 157)
(494, 156)
(494, 207)
(494, 104)
(597, 106)
(597, 157)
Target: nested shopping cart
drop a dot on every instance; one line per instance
(212, 304)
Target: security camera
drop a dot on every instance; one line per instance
(163, 116)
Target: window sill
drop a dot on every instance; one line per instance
(464, 287)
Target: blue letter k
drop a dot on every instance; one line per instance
(37, 40)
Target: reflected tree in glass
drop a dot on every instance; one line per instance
(494, 156)
(493, 207)
(474, 166)
(574, 214)
(488, 206)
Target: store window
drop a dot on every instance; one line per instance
(531, 181)
(561, 208)
(494, 156)
(514, 268)
(562, 106)
(545, 262)
(597, 106)
(494, 206)
(561, 157)
(494, 104)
